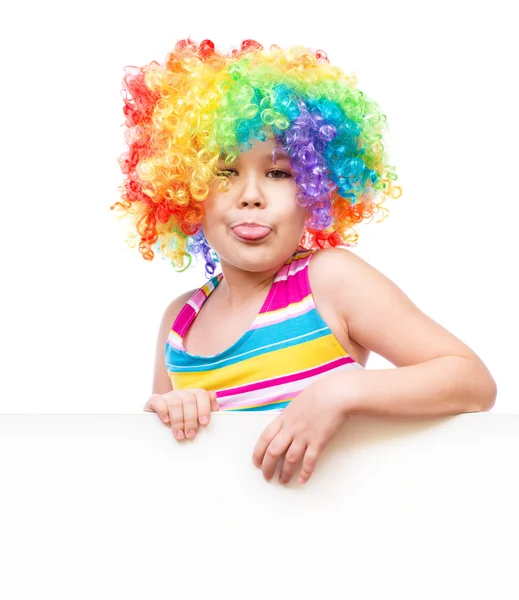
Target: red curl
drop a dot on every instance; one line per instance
(247, 46)
(206, 49)
(140, 102)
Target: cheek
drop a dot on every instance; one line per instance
(299, 217)
(213, 221)
(210, 208)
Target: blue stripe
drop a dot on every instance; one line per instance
(293, 332)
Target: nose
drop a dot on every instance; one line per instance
(251, 196)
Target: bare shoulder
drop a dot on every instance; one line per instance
(330, 263)
(343, 277)
(378, 315)
(174, 307)
(323, 270)
(339, 269)
(161, 383)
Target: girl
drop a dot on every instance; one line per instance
(264, 161)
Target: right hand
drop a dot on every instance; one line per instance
(184, 409)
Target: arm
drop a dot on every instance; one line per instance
(436, 374)
(161, 382)
(183, 410)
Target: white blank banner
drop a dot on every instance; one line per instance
(112, 507)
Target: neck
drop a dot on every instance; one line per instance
(238, 287)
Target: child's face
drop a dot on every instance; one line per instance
(257, 224)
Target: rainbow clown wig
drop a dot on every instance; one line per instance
(202, 104)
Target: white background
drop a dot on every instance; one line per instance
(80, 310)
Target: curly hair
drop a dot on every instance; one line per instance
(180, 117)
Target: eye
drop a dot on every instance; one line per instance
(278, 174)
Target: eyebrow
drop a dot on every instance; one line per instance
(267, 157)
(275, 156)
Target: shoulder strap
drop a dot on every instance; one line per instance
(292, 284)
(192, 307)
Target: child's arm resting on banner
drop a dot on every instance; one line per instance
(436, 375)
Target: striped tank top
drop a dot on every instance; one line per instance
(287, 347)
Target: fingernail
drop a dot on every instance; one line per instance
(191, 433)
(204, 420)
(180, 435)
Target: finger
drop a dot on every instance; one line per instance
(176, 414)
(214, 402)
(189, 406)
(157, 404)
(309, 463)
(293, 457)
(265, 438)
(276, 448)
(203, 401)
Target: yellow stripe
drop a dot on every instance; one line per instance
(271, 364)
(299, 256)
(206, 290)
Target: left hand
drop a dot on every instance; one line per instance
(302, 430)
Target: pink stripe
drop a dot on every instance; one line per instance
(182, 322)
(259, 385)
(238, 409)
(188, 313)
(282, 317)
(296, 264)
(263, 402)
(289, 291)
(199, 298)
(173, 339)
(173, 344)
(282, 272)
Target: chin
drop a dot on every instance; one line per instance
(256, 257)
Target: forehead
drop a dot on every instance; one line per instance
(261, 151)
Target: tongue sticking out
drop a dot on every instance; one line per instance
(251, 232)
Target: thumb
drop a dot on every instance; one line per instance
(214, 402)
